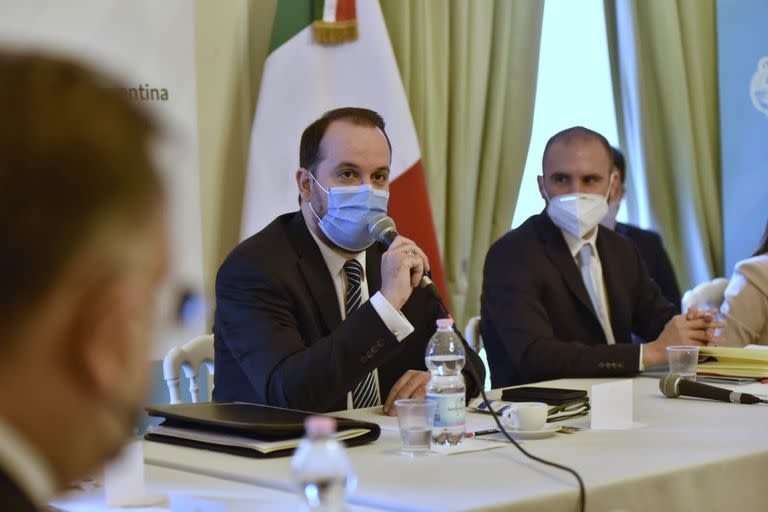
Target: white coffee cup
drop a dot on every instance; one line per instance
(527, 415)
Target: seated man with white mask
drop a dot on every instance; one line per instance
(562, 295)
(311, 313)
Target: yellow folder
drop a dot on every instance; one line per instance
(734, 362)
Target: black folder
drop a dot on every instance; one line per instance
(250, 430)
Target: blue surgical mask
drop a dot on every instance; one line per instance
(350, 211)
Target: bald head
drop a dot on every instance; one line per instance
(576, 160)
(575, 135)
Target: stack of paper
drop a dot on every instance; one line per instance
(247, 443)
(251, 430)
(578, 407)
(734, 362)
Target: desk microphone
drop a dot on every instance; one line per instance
(674, 385)
(384, 231)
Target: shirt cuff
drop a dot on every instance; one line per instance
(641, 366)
(395, 321)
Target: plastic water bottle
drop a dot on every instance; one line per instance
(445, 359)
(321, 468)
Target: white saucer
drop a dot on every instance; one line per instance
(545, 431)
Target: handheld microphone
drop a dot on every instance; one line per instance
(674, 385)
(384, 231)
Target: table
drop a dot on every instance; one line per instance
(231, 496)
(684, 454)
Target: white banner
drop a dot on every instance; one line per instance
(150, 46)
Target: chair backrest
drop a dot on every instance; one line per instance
(189, 357)
(707, 294)
(472, 333)
(475, 341)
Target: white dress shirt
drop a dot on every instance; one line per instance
(574, 245)
(25, 465)
(395, 321)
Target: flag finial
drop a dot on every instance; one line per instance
(335, 21)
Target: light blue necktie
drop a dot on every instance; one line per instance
(587, 265)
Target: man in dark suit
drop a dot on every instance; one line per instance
(311, 313)
(84, 248)
(648, 242)
(563, 295)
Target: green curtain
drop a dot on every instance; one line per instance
(469, 71)
(664, 65)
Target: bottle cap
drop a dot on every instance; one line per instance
(320, 426)
(445, 324)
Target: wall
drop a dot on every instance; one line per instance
(232, 39)
(742, 42)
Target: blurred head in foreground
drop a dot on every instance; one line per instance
(84, 249)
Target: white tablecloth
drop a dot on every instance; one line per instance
(689, 455)
(202, 490)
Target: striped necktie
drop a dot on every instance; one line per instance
(365, 393)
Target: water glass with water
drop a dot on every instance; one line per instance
(683, 359)
(415, 418)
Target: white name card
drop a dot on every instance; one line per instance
(612, 405)
(124, 479)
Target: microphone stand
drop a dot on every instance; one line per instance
(475, 374)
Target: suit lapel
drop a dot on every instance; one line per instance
(315, 272)
(557, 251)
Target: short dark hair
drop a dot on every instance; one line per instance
(572, 134)
(309, 150)
(74, 153)
(763, 247)
(619, 163)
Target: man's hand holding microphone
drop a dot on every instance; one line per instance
(403, 266)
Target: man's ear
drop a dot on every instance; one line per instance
(619, 191)
(540, 181)
(304, 182)
(616, 191)
(99, 334)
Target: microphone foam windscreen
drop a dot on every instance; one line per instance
(381, 226)
(668, 385)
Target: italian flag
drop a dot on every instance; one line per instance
(305, 76)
